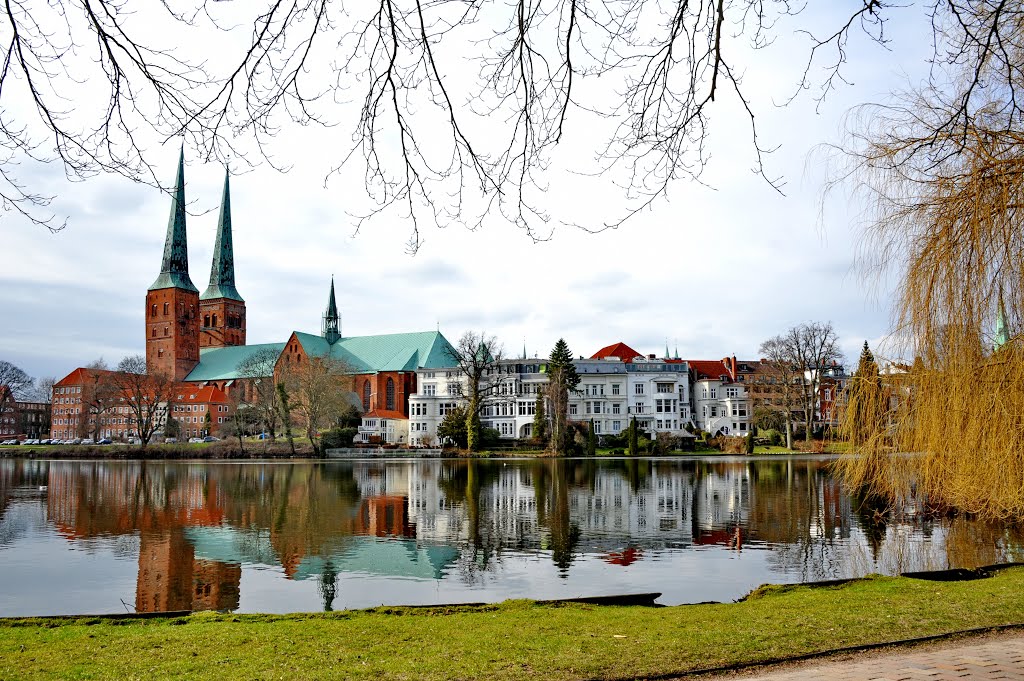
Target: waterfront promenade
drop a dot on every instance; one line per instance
(994, 656)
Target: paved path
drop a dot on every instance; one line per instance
(996, 656)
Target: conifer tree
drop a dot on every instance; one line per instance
(591, 440)
(562, 378)
(865, 402)
(540, 420)
(633, 437)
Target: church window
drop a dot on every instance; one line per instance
(390, 394)
(160, 352)
(167, 309)
(366, 395)
(166, 332)
(206, 320)
(152, 312)
(154, 333)
(215, 320)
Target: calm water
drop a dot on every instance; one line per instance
(106, 536)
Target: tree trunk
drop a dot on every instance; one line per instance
(789, 432)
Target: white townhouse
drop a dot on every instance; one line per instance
(721, 399)
(659, 394)
(602, 395)
(438, 391)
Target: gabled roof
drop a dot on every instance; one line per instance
(386, 352)
(219, 364)
(708, 369)
(620, 350)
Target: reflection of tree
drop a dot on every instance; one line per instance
(328, 585)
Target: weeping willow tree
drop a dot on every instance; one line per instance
(943, 172)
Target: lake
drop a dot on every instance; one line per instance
(123, 536)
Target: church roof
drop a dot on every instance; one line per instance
(220, 364)
(385, 352)
(222, 271)
(174, 267)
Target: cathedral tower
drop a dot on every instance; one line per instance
(172, 302)
(221, 307)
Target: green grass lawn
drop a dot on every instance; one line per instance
(515, 639)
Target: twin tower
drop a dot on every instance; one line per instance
(179, 321)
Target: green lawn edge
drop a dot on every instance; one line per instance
(514, 639)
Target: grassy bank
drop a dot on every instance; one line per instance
(516, 639)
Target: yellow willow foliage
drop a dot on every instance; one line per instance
(947, 213)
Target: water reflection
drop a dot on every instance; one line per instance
(356, 533)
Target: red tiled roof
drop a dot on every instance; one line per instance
(80, 375)
(190, 394)
(385, 414)
(708, 368)
(620, 350)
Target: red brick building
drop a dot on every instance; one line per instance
(21, 419)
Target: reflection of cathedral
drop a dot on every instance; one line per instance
(171, 578)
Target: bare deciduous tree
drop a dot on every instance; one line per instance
(258, 370)
(477, 356)
(147, 395)
(649, 72)
(316, 391)
(15, 378)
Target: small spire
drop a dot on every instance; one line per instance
(332, 321)
(222, 271)
(667, 356)
(677, 351)
(174, 267)
(1002, 327)
(524, 348)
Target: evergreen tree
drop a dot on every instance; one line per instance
(286, 414)
(562, 379)
(540, 420)
(207, 424)
(454, 427)
(866, 405)
(633, 437)
(591, 440)
(750, 441)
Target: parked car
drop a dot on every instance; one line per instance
(194, 440)
(45, 441)
(104, 441)
(170, 440)
(76, 441)
(210, 438)
(30, 442)
(88, 441)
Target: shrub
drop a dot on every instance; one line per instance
(338, 438)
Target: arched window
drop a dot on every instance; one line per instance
(167, 308)
(206, 320)
(152, 312)
(390, 395)
(366, 395)
(215, 320)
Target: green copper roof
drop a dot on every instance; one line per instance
(222, 272)
(332, 321)
(221, 364)
(388, 352)
(174, 268)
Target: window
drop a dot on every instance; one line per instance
(573, 410)
(167, 309)
(714, 393)
(638, 389)
(152, 311)
(366, 395)
(215, 320)
(615, 388)
(666, 387)
(456, 389)
(616, 408)
(446, 407)
(430, 389)
(732, 392)
(429, 374)
(704, 393)
(206, 320)
(597, 427)
(714, 411)
(389, 395)
(616, 426)
(828, 394)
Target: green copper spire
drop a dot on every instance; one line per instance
(1002, 328)
(222, 273)
(667, 356)
(332, 321)
(174, 268)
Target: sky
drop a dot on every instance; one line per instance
(712, 270)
